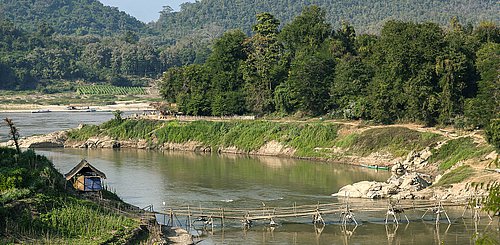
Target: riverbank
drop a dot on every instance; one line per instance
(450, 159)
(39, 207)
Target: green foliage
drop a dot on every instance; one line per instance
(306, 31)
(228, 14)
(79, 219)
(83, 133)
(118, 116)
(264, 68)
(250, 136)
(309, 78)
(486, 105)
(130, 129)
(395, 140)
(78, 17)
(493, 133)
(29, 183)
(412, 72)
(313, 136)
(117, 128)
(492, 202)
(456, 175)
(457, 150)
(109, 90)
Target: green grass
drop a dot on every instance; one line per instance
(84, 133)
(457, 150)
(130, 129)
(251, 135)
(457, 175)
(398, 141)
(80, 219)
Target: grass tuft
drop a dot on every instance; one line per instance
(398, 141)
(457, 150)
(457, 175)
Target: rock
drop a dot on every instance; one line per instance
(366, 189)
(402, 186)
(356, 190)
(398, 169)
(274, 148)
(98, 142)
(177, 235)
(438, 178)
(52, 140)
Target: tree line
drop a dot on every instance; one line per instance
(47, 60)
(411, 72)
(367, 16)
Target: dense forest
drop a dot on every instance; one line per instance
(35, 59)
(78, 17)
(52, 45)
(367, 16)
(53, 62)
(411, 72)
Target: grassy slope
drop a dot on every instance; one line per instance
(36, 208)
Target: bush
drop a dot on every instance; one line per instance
(493, 133)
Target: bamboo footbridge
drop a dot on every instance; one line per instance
(342, 213)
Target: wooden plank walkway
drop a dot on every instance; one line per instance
(346, 211)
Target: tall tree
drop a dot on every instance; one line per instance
(307, 31)
(264, 68)
(350, 87)
(452, 68)
(309, 81)
(405, 54)
(486, 106)
(227, 80)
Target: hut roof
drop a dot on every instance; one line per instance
(82, 165)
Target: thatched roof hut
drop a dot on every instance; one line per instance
(85, 177)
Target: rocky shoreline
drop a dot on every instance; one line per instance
(410, 178)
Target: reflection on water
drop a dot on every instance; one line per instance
(150, 177)
(180, 179)
(460, 232)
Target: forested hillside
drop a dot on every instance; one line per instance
(364, 15)
(69, 16)
(411, 72)
(43, 59)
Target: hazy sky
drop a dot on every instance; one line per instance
(145, 10)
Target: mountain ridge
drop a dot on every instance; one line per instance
(367, 16)
(79, 17)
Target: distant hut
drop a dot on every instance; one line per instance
(86, 177)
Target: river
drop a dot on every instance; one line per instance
(174, 179)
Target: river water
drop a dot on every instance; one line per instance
(175, 179)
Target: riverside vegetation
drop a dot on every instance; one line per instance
(458, 157)
(37, 207)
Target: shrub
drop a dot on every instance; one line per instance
(493, 133)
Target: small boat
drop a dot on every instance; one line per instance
(90, 110)
(375, 167)
(41, 111)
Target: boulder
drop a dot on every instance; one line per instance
(52, 140)
(403, 186)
